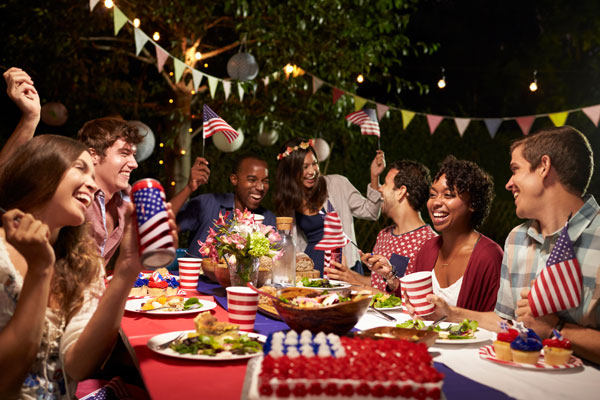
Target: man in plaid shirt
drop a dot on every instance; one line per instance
(551, 171)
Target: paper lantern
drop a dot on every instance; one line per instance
(146, 146)
(221, 143)
(322, 149)
(242, 66)
(268, 138)
(54, 114)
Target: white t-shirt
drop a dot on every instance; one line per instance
(450, 293)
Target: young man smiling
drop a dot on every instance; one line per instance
(250, 179)
(112, 144)
(551, 171)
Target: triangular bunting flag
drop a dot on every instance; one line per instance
(317, 83)
(359, 103)
(492, 125)
(525, 123)
(337, 93)
(240, 91)
(161, 57)
(227, 88)
(196, 78)
(140, 40)
(433, 121)
(119, 18)
(93, 4)
(461, 125)
(560, 118)
(266, 81)
(407, 116)
(275, 75)
(381, 110)
(212, 85)
(179, 68)
(593, 114)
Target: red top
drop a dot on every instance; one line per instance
(508, 336)
(560, 343)
(481, 280)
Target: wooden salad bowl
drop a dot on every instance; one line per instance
(222, 274)
(338, 318)
(208, 267)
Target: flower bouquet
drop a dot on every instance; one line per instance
(241, 241)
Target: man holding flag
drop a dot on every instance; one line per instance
(551, 262)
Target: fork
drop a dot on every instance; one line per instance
(383, 315)
(167, 343)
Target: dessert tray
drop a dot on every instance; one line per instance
(165, 337)
(488, 353)
(135, 304)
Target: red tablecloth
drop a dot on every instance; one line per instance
(161, 375)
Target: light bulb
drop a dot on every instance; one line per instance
(533, 86)
(156, 36)
(136, 22)
(289, 69)
(205, 65)
(108, 3)
(171, 101)
(172, 183)
(161, 162)
(193, 92)
(198, 55)
(190, 130)
(442, 83)
(183, 152)
(161, 145)
(360, 78)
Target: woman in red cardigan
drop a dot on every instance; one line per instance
(465, 263)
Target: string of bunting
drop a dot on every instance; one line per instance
(492, 124)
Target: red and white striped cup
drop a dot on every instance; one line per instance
(189, 270)
(242, 304)
(417, 286)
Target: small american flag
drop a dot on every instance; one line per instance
(213, 124)
(559, 285)
(333, 236)
(153, 221)
(366, 119)
(115, 389)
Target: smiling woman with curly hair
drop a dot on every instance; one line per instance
(465, 263)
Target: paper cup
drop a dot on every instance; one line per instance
(189, 270)
(242, 303)
(416, 287)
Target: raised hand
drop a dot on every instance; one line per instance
(199, 174)
(378, 164)
(30, 237)
(20, 89)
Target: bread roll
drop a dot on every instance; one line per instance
(304, 262)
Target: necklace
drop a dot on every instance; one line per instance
(455, 254)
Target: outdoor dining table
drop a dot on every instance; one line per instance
(467, 376)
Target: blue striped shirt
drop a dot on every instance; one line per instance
(526, 252)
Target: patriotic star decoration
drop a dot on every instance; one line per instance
(150, 203)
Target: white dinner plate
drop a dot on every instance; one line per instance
(165, 337)
(342, 285)
(134, 305)
(488, 353)
(396, 308)
(481, 335)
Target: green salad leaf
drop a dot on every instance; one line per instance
(190, 302)
(382, 300)
(412, 324)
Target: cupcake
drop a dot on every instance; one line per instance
(172, 286)
(139, 287)
(557, 351)
(502, 344)
(526, 349)
(157, 288)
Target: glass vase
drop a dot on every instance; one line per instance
(242, 269)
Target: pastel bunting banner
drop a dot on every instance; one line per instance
(461, 125)
(120, 19)
(179, 68)
(212, 85)
(593, 113)
(140, 40)
(433, 121)
(525, 123)
(227, 88)
(265, 81)
(161, 57)
(196, 78)
(337, 93)
(359, 103)
(381, 110)
(559, 118)
(492, 125)
(317, 83)
(93, 4)
(241, 91)
(407, 116)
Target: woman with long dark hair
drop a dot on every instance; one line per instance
(57, 320)
(302, 192)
